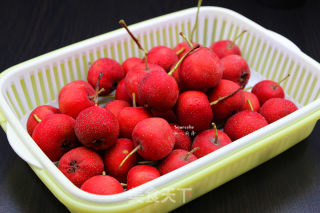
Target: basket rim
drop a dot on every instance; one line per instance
(72, 190)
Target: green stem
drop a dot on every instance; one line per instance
(182, 58)
(97, 91)
(227, 96)
(108, 96)
(131, 153)
(134, 104)
(216, 142)
(250, 105)
(100, 91)
(285, 78)
(148, 162)
(189, 153)
(180, 51)
(186, 39)
(37, 118)
(248, 88)
(124, 25)
(196, 22)
(236, 38)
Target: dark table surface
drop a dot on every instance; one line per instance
(288, 183)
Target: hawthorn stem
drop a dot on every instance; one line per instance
(123, 184)
(100, 91)
(282, 80)
(124, 25)
(238, 36)
(227, 96)
(37, 118)
(108, 96)
(216, 142)
(131, 153)
(186, 39)
(134, 104)
(95, 98)
(248, 88)
(189, 153)
(285, 78)
(249, 102)
(146, 61)
(196, 22)
(180, 51)
(149, 162)
(103, 172)
(182, 58)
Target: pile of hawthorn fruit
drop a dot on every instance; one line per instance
(164, 115)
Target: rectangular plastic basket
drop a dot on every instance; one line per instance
(270, 56)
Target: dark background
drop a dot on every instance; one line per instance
(287, 183)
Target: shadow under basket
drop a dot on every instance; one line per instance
(269, 55)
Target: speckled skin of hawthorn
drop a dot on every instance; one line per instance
(182, 140)
(42, 112)
(80, 164)
(112, 74)
(77, 84)
(244, 123)
(115, 155)
(224, 48)
(155, 137)
(158, 90)
(207, 144)
(102, 185)
(176, 159)
(135, 75)
(55, 135)
(141, 174)
(276, 108)
(193, 108)
(116, 106)
(264, 90)
(162, 56)
(200, 70)
(236, 69)
(121, 92)
(129, 63)
(72, 104)
(96, 127)
(226, 107)
(129, 117)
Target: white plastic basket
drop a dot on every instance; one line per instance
(270, 56)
